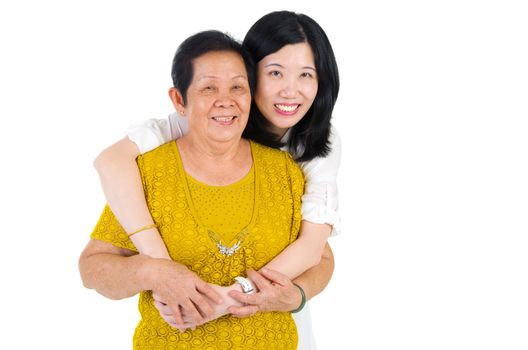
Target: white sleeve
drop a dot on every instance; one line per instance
(320, 199)
(153, 133)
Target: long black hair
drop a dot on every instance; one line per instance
(309, 138)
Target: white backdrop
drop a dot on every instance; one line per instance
(434, 196)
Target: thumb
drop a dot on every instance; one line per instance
(275, 276)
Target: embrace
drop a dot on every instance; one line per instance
(219, 216)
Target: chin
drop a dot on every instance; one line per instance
(284, 124)
(219, 137)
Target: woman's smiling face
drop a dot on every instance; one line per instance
(286, 86)
(218, 98)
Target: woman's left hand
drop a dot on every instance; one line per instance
(276, 293)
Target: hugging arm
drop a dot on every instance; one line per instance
(121, 182)
(122, 186)
(120, 273)
(278, 293)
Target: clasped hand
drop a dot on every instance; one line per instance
(275, 293)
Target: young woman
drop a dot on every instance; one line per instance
(297, 86)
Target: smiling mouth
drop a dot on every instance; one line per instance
(287, 108)
(225, 119)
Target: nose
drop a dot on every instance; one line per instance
(224, 99)
(289, 88)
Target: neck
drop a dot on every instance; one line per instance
(217, 164)
(207, 150)
(279, 132)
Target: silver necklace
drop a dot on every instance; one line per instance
(225, 250)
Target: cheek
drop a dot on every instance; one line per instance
(264, 96)
(245, 103)
(310, 91)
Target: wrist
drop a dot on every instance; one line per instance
(147, 271)
(248, 287)
(302, 299)
(236, 287)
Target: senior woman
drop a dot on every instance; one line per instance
(222, 204)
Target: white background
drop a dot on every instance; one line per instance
(434, 196)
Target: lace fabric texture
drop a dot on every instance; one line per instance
(268, 207)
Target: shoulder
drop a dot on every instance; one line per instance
(335, 141)
(270, 155)
(158, 156)
(276, 162)
(321, 168)
(263, 150)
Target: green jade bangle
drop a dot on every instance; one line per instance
(303, 299)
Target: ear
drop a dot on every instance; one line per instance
(177, 100)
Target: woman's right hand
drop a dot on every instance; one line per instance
(219, 309)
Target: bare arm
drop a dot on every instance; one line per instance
(304, 253)
(121, 182)
(116, 273)
(315, 280)
(277, 292)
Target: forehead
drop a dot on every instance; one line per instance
(300, 54)
(219, 65)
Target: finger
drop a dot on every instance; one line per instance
(163, 308)
(261, 282)
(176, 315)
(187, 319)
(243, 311)
(182, 327)
(209, 292)
(158, 298)
(203, 306)
(255, 298)
(170, 321)
(190, 310)
(275, 276)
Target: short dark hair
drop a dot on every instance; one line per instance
(199, 44)
(309, 138)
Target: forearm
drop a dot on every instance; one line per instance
(121, 183)
(315, 280)
(122, 186)
(114, 276)
(304, 253)
(149, 242)
(227, 300)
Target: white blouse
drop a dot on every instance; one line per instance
(320, 199)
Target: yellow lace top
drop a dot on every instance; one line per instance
(216, 244)
(228, 209)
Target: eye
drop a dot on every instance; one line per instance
(275, 73)
(209, 88)
(306, 75)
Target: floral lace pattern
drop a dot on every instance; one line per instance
(274, 223)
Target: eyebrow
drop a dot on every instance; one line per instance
(240, 76)
(281, 66)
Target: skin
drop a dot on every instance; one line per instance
(219, 89)
(287, 85)
(287, 80)
(286, 88)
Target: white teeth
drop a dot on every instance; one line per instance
(224, 119)
(287, 108)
